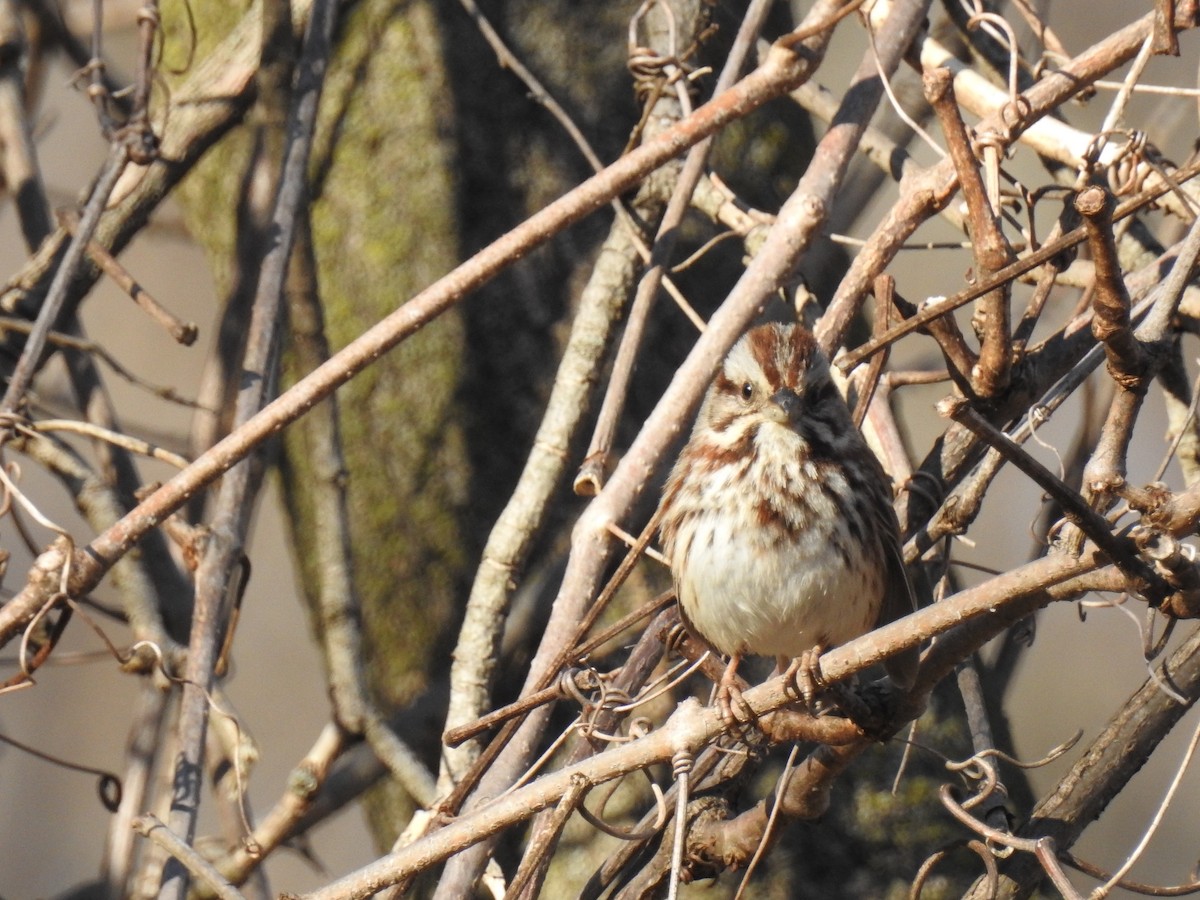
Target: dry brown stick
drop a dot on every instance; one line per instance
(1106, 468)
(100, 506)
(1046, 280)
(924, 194)
(884, 291)
(583, 680)
(1044, 33)
(1111, 324)
(979, 725)
(1129, 363)
(1165, 40)
(93, 73)
(590, 478)
(149, 826)
(735, 841)
(1022, 265)
(224, 549)
(182, 332)
(960, 359)
(1119, 549)
(56, 296)
(713, 767)
(143, 748)
(531, 871)
(990, 247)
(137, 132)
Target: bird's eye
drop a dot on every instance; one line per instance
(747, 390)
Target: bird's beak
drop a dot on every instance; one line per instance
(784, 406)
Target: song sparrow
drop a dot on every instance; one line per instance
(777, 519)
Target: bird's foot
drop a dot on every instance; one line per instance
(735, 711)
(805, 680)
(803, 677)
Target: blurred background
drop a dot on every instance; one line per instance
(52, 825)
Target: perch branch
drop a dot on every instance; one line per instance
(799, 220)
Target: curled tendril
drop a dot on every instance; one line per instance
(980, 848)
(1018, 106)
(992, 753)
(108, 786)
(660, 820)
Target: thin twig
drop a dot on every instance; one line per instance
(990, 247)
(1022, 265)
(182, 332)
(234, 503)
(149, 826)
(596, 463)
(56, 297)
(1119, 549)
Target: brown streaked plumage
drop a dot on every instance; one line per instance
(778, 519)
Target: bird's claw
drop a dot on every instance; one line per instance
(736, 713)
(804, 678)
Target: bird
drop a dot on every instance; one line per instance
(777, 517)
